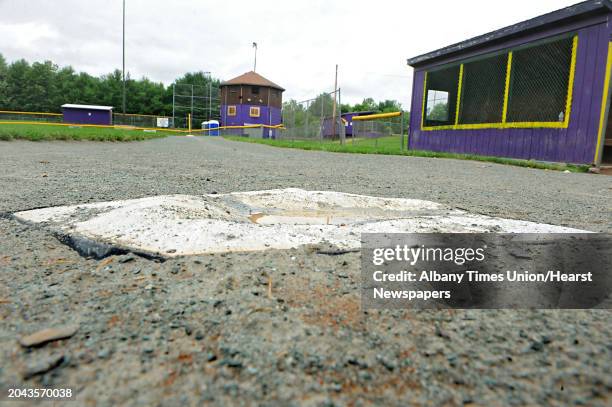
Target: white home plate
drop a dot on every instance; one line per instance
(175, 225)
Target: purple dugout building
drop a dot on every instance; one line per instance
(87, 114)
(539, 89)
(251, 99)
(347, 121)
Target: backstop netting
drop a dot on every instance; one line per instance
(314, 119)
(370, 128)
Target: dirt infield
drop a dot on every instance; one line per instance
(279, 326)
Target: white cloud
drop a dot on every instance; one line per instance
(299, 42)
(29, 37)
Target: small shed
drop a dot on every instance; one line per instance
(87, 114)
(348, 118)
(347, 122)
(537, 90)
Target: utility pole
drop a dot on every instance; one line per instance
(334, 106)
(255, 63)
(123, 70)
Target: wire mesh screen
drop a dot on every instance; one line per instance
(200, 101)
(313, 119)
(441, 96)
(138, 120)
(539, 82)
(374, 129)
(482, 90)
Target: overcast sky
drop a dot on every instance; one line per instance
(299, 41)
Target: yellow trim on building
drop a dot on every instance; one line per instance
(376, 116)
(604, 102)
(570, 87)
(507, 87)
(423, 113)
(459, 87)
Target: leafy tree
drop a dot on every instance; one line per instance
(367, 105)
(345, 107)
(203, 86)
(322, 105)
(3, 84)
(64, 88)
(389, 106)
(16, 85)
(40, 84)
(439, 112)
(43, 86)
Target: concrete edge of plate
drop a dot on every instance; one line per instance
(264, 220)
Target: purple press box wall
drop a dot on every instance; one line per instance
(267, 115)
(576, 144)
(87, 116)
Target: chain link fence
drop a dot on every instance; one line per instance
(202, 102)
(142, 120)
(314, 119)
(370, 131)
(31, 117)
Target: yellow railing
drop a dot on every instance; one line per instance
(377, 116)
(122, 127)
(30, 113)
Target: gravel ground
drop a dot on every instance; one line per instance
(279, 327)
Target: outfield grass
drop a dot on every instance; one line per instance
(35, 132)
(391, 146)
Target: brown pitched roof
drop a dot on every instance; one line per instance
(251, 78)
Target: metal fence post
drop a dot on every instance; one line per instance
(173, 102)
(307, 115)
(322, 101)
(402, 131)
(209, 97)
(341, 130)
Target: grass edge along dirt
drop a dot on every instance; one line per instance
(39, 132)
(391, 146)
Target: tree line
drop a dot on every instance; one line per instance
(44, 87)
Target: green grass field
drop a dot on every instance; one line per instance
(34, 132)
(391, 146)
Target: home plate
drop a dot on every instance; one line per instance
(177, 225)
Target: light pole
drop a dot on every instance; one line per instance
(255, 63)
(123, 70)
(209, 94)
